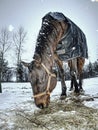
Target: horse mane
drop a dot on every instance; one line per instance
(42, 39)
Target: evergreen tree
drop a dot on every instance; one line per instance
(20, 76)
(25, 73)
(7, 76)
(90, 68)
(96, 66)
(5, 44)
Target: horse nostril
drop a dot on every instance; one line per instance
(41, 106)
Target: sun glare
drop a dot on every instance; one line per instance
(10, 28)
(94, 0)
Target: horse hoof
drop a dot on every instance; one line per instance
(62, 97)
(77, 92)
(82, 91)
(70, 89)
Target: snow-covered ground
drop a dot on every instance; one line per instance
(18, 96)
(15, 93)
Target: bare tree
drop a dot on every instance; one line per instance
(0, 74)
(5, 44)
(19, 39)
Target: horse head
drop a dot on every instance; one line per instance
(43, 81)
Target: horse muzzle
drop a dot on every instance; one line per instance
(42, 102)
(42, 106)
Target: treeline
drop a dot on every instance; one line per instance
(11, 43)
(14, 74)
(20, 73)
(89, 71)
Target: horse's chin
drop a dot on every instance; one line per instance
(43, 101)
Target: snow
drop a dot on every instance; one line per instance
(17, 96)
(15, 93)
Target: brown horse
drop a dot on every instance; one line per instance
(43, 79)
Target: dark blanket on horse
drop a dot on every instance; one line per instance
(73, 43)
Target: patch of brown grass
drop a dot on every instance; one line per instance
(60, 115)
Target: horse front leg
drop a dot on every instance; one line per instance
(75, 83)
(71, 84)
(81, 82)
(62, 76)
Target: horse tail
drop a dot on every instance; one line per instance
(80, 64)
(76, 65)
(73, 65)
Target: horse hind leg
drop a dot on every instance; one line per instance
(75, 83)
(73, 72)
(80, 64)
(80, 82)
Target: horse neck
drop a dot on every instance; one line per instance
(48, 60)
(48, 56)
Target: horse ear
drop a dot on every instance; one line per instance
(25, 64)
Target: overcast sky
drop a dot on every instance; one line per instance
(29, 13)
